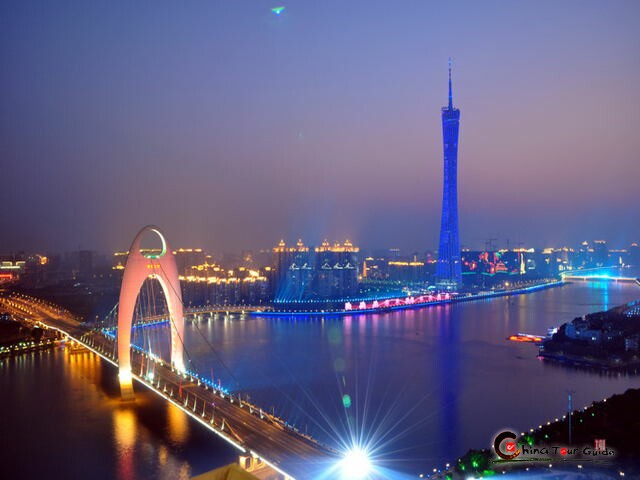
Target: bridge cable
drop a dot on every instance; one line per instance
(184, 348)
(203, 336)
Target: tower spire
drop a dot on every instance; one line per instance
(450, 94)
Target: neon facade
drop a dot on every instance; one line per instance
(449, 267)
(138, 268)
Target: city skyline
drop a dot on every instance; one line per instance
(333, 277)
(235, 148)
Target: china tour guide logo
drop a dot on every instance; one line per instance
(508, 448)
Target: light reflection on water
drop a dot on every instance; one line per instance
(65, 409)
(424, 385)
(430, 384)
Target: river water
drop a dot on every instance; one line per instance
(416, 387)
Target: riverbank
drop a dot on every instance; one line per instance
(631, 366)
(18, 337)
(23, 347)
(394, 304)
(613, 420)
(601, 340)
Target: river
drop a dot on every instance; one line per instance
(417, 387)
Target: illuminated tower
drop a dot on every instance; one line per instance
(449, 271)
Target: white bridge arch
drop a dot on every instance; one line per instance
(139, 267)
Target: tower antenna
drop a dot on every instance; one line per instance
(450, 94)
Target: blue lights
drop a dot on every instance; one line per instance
(112, 334)
(449, 267)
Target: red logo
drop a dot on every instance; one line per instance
(563, 451)
(510, 445)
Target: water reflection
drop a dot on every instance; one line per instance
(423, 385)
(125, 433)
(178, 424)
(66, 407)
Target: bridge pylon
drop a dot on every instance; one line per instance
(139, 267)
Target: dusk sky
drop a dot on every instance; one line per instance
(231, 127)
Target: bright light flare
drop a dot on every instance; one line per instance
(355, 465)
(125, 376)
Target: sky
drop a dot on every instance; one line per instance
(232, 127)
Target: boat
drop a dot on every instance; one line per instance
(526, 338)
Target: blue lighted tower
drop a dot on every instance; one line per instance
(449, 271)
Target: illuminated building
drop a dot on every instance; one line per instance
(187, 258)
(600, 253)
(12, 267)
(487, 269)
(326, 272)
(210, 284)
(336, 270)
(449, 269)
(406, 271)
(294, 271)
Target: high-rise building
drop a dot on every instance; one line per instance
(294, 267)
(449, 268)
(187, 258)
(326, 273)
(600, 253)
(336, 270)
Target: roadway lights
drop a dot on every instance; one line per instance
(355, 465)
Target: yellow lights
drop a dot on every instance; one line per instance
(406, 264)
(282, 247)
(9, 266)
(221, 280)
(43, 260)
(124, 426)
(125, 377)
(187, 250)
(337, 247)
(178, 424)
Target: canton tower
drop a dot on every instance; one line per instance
(449, 271)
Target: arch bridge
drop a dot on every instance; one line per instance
(261, 438)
